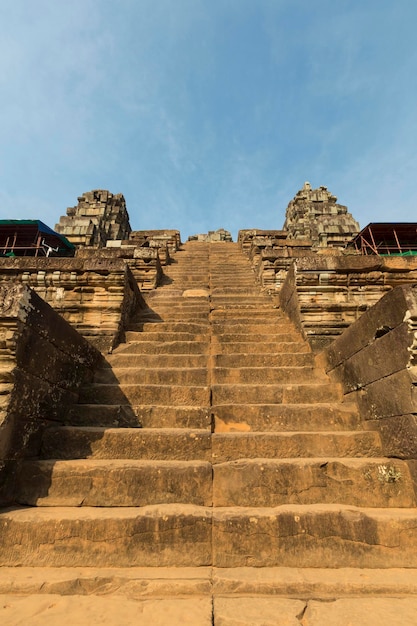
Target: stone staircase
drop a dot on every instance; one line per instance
(212, 474)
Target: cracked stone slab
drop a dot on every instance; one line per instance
(304, 582)
(257, 612)
(49, 610)
(131, 582)
(362, 612)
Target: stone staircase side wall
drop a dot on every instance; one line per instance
(43, 361)
(95, 295)
(333, 292)
(375, 359)
(144, 263)
(289, 300)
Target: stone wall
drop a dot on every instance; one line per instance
(375, 359)
(213, 235)
(324, 295)
(144, 263)
(167, 241)
(271, 254)
(43, 361)
(96, 295)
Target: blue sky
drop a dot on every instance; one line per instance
(208, 114)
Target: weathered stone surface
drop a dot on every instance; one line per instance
(280, 417)
(48, 610)
(160, 535)
(362, 612)
(398, 435)
(323, 583)
(392, 395)
(167, 395)
(320, 535)
(397, 308)
(271, 482)
(144, 263)
(45, 361)
(324, 296)
(375, 361)
(114, 483)
(155, 376)
(257, 612)
(229, 446)
(126, 443)
(130, 582)
(96, 296)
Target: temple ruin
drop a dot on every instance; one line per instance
(98, 217)
(313, 214)
(209, 432)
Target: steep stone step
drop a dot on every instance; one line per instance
(196, 278)
(269, 375)
(141, 416)
(241, 276)
(278, 445)
(156, 360)
(127, 443)
(393, 584)
(238, 281)
(178, 303)
(275, 393)
(153, 376)
(168, 336)
(286, 359)
(166, 347)
(323, 583)
(238, 417)
(171, 327)
(166, 298)
(171, 394)
(314, 535)
(241, 300)
(240, 291)
(241, 316)
(152, 536)
(183, 286)
(260, 328)
(111, 582)
(238, 300)
(272, 482)
(67, 608)
(176, 306)
(172, 316)
(188, 272)
(251, 347)
(114, 483)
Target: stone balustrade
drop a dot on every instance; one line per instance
(144, 263)
(375, 359)
(43, 361)
(168, 240)
(326, 294)
(96, 295)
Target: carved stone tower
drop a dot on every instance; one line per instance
(313, 214)
(98, 217)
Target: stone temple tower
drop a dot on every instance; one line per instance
(99, 216)
(314, 214)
